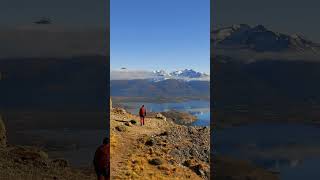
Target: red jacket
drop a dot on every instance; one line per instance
(102, 157)
(142, 111)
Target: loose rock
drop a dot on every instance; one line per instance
(160, 116)
(155, 161)
(150, 142)
(134, 122)
(121, 128)
(127, 124)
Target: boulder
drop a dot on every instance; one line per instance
(200, 170)
(3, 136)
(155, 161)
(160, 116)
(164, 133)
(121, 128)
(179, 117)
(119, 110)
(133, 121)
(127, 124)
(150, 142)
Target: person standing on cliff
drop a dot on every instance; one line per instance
(142, 114)
(101, 160)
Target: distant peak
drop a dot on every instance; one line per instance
(260, 28)
(240, 26)
(159, 75)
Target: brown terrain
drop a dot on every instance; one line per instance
(31, 163)
(159, 150)
(163, 149)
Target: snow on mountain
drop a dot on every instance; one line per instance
(159, 75)
(188, 73)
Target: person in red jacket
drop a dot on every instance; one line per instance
(142, 114)
(101, 160)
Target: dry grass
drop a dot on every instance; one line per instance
(130, 157)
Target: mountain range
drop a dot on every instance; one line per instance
(170, 89)
(159, 75)
(259, 38)
(251, 43)
(264, 74)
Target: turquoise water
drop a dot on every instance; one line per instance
(201, 109)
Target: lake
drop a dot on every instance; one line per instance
(291, 149)
(201, 109)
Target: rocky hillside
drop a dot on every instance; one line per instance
(31, 163)
(164, 150)
(158, 150)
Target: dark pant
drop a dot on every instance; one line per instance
(142, 120)
(102, 174)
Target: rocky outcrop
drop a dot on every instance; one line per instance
(28, 155)
(160, 116)
(3, 136)
(118, 110)
(187, 146)
(179, 117)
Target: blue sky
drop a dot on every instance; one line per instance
(160, 34)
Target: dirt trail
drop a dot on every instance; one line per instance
(123, 147)
(129, 155)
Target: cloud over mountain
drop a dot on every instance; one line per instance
(159, 75)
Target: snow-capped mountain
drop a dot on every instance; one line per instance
(259, 39)
(159, 75)
(188, 73)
